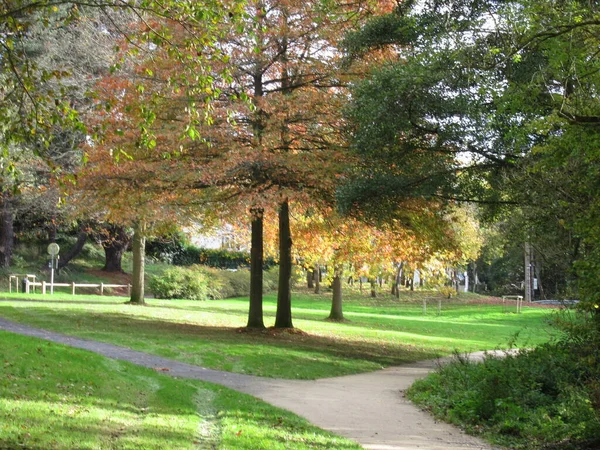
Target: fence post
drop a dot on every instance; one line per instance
(128, 290)
(73, 288)
(27, 285)
(101, 288)
(44, 287)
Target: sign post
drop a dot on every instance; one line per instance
(53, 250)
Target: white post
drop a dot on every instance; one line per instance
(52, 274)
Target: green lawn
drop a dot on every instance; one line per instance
(378, 333)
(56, 397)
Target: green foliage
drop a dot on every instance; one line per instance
(222, 259)
(180, 253)
(548, 397)
(205, 283)
(182, 282)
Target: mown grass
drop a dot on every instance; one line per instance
(378, 333)
(55, 397)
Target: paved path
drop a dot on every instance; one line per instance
(368, 408)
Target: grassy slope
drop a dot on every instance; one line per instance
(55, 397)
(379, 333)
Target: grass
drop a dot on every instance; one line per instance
(55, 397)
(379, 332)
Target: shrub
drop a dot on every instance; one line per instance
(181, 282)
(535, 399)
(202, 283)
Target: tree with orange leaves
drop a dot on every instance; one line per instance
(285, 144)
(143, 164)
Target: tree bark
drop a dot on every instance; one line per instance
(373, 282)
(283, 316)
(398, 280)
(7, 231)
(114, 240)
(310, 279)
(139, 254)
(317, 279)
(336, 300)
(255, 313)
(113, 257)
(75, 250)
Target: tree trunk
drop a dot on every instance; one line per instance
(115, 241)
(114, 256)
(373, 282)
(52, 231)
(310, 279)
(283, 317)
(139, 254)
(75, 250)
(336, 300)
(538, 275)
(527, 269)
(398, 279)
(317, 279)
(7, 231)
(255, 313)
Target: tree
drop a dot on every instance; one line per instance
(284, 145)
(510, 87)
(349, 246)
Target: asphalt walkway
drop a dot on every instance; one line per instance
(368, 408)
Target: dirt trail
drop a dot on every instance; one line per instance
(368, 408)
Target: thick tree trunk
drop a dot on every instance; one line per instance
(283, 317)
(75, 250)
(7, 231)
(139, 254)
(336, 300)
(317, 279)
(255, 313)
(113, 257)
(114, 240)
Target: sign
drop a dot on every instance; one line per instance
(53, 249)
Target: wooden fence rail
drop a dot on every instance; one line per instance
(29, 285)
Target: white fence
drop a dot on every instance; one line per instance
(517, 298)
(31, 284)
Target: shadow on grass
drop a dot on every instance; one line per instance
(64, 302)
(263, 352)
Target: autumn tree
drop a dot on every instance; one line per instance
(145, 165)
(285, 143)
(351, 247)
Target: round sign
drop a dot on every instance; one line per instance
(53, 249)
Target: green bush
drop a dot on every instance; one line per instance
(181, 282)
(203, 283)
(542, 398)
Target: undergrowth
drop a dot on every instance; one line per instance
(545, 398)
